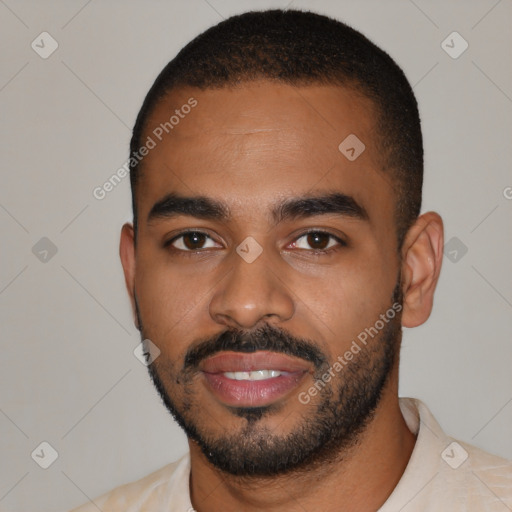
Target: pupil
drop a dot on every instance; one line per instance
(192, 240)
(318, 240)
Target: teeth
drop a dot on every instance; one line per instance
(254, 375)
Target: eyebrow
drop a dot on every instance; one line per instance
(174, 205)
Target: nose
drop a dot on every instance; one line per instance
(252, 293)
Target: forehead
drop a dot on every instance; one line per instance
(325, 111)
(262, 140)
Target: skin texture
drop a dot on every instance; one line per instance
(250, 147)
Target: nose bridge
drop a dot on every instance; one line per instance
(250, 291)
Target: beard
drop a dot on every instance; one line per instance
(330, 426)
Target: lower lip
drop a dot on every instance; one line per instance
(252, 393)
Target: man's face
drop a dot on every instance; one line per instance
(251, 302)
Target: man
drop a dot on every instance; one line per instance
(276, 252)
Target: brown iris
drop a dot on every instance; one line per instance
(318, 240)
(194, 240)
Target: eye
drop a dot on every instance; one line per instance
(191, 241)
(318, 241)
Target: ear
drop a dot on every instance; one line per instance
(422, 256)
(127, 254)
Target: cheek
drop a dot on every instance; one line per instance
(171, 304)
(347, 298)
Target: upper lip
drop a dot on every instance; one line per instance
(246, 362)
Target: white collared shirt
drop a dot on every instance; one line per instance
(443, 475)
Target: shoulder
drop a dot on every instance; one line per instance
(447, 474)
(156, 491)
(488, 477)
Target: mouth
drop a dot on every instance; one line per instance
(252, 379)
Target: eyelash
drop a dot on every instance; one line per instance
(341, 243)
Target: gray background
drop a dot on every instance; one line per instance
(68, 374)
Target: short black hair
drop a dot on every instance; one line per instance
(303, 48)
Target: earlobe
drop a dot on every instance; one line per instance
(422, 254)
(127, 255)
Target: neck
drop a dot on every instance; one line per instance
(358, 480)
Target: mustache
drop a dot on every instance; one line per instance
(267, 338)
